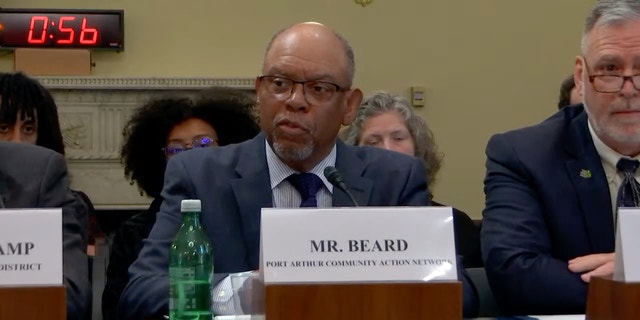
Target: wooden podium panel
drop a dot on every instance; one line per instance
(33, 303)
(388, 301)
(609, 299)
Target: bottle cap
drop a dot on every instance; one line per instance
(190, 205)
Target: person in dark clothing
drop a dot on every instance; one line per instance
(29, 115)
(388, 121)
(158, 130)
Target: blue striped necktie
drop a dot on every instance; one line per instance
(307, 185)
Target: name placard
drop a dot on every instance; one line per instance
(30, 247)
(627, 256)
(366, 244)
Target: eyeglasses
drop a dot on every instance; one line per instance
(316, 92)
(201, 142)
(610, 83)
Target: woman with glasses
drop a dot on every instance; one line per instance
(158, 131)
(388, 121)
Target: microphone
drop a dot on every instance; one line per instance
(333, 175)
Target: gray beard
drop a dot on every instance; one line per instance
(292, 154)
(610, 133)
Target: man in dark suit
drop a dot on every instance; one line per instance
(552, 190)
(303, 98)
(36, 177)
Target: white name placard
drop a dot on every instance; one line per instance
(366, 244)
(627, 256)
(30, 247)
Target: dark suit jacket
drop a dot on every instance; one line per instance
(467, 238)
(35, 177)
(547, 201)
(127, 243)
(233, 184)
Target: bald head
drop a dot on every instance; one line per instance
(314, 36)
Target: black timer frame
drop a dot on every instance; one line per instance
(65, 28)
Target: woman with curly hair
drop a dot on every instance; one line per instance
(388, 121)
(157, 131)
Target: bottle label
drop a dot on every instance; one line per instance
(178, 273)
(189, 292)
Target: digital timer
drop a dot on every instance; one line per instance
(54, 28)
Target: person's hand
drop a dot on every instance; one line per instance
(600, 264)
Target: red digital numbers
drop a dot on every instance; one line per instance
(64, 29)
(40, 22)
(39, 26)
(91, 32)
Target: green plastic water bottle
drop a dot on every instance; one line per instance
(190, 268)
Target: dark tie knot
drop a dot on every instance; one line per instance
(628, 165)
(307, 185)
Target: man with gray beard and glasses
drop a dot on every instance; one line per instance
(553, 189)
(304, 96)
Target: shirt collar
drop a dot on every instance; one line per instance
(279, 171)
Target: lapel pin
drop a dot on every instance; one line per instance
(585, 173)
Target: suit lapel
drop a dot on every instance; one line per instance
(252, 190)
(3, 190)
(588, 177)
(351, 167)
(10, 195)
